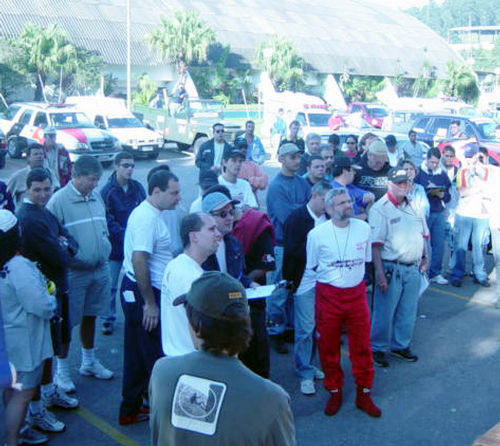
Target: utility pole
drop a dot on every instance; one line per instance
(129, 89)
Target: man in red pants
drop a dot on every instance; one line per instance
(336, 254)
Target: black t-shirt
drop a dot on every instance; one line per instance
(372, 180)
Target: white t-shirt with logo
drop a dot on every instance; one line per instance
(147, 232)
(241, 191)
(177, 280)
(336, 255)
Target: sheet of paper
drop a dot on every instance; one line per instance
(260, 292)
(424, 284)
(128, 296)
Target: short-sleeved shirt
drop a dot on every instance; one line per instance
(374, 181)
(337, 255)
(147, 232)
(241, 191)
(180, 273)
(400, 229)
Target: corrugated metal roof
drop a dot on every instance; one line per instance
(333, 36)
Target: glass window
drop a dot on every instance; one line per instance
(40, 120)
(25, 117)
(421, 124)
(301, 117)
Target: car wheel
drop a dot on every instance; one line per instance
(197, 144)
(13, 148)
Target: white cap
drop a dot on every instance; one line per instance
(7, 220)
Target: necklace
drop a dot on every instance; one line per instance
(341, 261)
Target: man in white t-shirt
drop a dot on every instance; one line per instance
(336, 254)
(200, 239)
(240, 189)
(147, 251)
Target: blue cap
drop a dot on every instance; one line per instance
(215, 200)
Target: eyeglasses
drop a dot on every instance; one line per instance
(351, 142)
(127, 165)
(224, 214)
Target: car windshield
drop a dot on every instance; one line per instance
(124, 122)
(11, 112)
(318, 119)
(377, 112)
(70, 120)
(486, 130)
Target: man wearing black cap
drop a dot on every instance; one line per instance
(399, 257)
(204, 396)
(344, 172)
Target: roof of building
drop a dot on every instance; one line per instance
(352, 36)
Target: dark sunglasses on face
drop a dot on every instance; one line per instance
(219, 131)
(223, 214)
(127, 165)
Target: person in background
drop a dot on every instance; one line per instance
(243, 408)
(416, 192)
(335, 121)
(293, 136)
(455, 131)
(121, 195)
(209, 156)
(297, 226)
(315, 169)
(27, 308)
(287, 191)
(58, 160)
(313, 143)
(327, 154)
(393, 152)
(207, 180)
(256, 151)
(374, 169)
(334, 142)
(278, 130)
(414, 149)
(437, 185)
(364, 142)
(351, 144)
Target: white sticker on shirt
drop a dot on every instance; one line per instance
(197, 403)
(128, 296)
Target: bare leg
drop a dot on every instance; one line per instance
(64, 351)
(15, 411)
(87, 331)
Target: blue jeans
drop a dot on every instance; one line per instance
(304, 348)
(395, 311)
(465, 229)
(279, 307)
(115, 267)
(437, 229)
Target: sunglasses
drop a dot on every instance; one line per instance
(127, 165)
(351, 142)
(219, 131)
(224, 214)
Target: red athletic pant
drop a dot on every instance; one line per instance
(334, 307)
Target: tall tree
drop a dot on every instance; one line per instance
(183, 38)
(279, 57)
(460, 82)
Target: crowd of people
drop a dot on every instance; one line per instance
(336, 219)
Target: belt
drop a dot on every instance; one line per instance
(397, 262)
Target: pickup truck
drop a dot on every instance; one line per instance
(188, 124)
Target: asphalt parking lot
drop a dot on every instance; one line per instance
(449, 397)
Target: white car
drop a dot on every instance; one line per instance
(134, 137)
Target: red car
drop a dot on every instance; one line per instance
(373, 114)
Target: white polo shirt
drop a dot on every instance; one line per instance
(179, 275)
(400, 229)
(146, 231)
(337, 256)
(241, 191)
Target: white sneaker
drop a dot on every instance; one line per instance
(97, 370)
(45, 421)
(307, 387)
(60, 399)
(64, 383)
(440, 280)
(31, 436)
(319, 374)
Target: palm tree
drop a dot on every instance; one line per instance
(279, 57)
(460, 82)
(183, 38)
(43, 52)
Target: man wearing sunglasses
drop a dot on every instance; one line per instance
(121, 195)
(209, 157)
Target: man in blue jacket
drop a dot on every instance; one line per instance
(209, 156)
(437, 185)
(121, 195)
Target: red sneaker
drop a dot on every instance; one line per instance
(125, 420)
(365, 403)
(334, 403)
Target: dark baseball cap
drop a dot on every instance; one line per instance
(233, 152)
(397, 176)
(345, 162)
(213, 293)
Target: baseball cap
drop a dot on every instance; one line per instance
(288, 149)
(397, 175)
(240, 143)
(216, 200)
(377, 148)
(7, 220)
(50, 130)
(233, 152)
(345, 161)
(470, 149)
(213, 293)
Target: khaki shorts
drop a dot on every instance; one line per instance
(30, 380)
(89, 293)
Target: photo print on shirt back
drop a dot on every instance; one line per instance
(197, 403)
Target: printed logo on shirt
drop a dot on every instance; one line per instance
(197, 403)
(395, 220)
